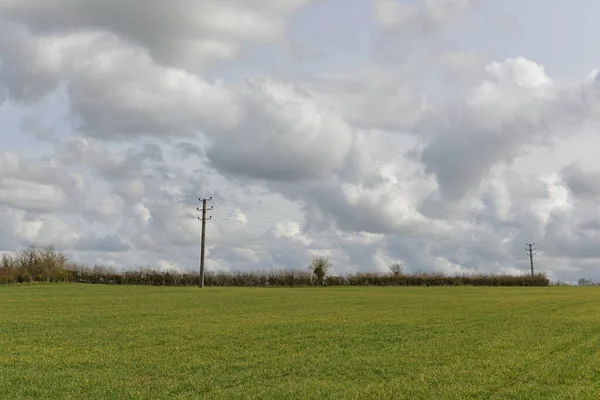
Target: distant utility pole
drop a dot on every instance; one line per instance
(530, 252)
(203, 240)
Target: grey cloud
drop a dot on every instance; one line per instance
(381, 209)
(36, 128)
(151, 152)
(139, 112)
(172, 103)
(334, 207)
(8, 221)
(16, 171)
(373, 98)
(258, 127)
(565, 236)
(167, 29)
(17, 50)
(134, 163)
(459, 163)
(403, 25)
(583, 184)
(284, 135)
(512, 211)
(593, 225)
(116, 91)
(562, 231)
(466, 143)
(108, 165)
(512, 107)
(360, 257)
(109, 244)
(258, 252)
(426, 255)
(187, 149)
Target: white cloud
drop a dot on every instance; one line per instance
(182, 32)
(283, 135)
(164, 265)
(425, 18)
(391, 13)
(420, 154)
(22, 194)
(46, 231)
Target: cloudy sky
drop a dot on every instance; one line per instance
(445, 134)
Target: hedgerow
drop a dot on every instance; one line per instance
(47, 264)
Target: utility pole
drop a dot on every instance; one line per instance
(530, 252)
(203, 240)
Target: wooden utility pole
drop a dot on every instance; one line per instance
(530, 251)
(203, 240)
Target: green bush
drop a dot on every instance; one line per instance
(320, 266)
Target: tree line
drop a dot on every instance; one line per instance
(47, 264)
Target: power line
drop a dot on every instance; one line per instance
(75, 207)
(203, 240)
(78, 207)
(180, 199)
(265, 223)
(261, 218)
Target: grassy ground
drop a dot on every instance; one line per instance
(103, 342)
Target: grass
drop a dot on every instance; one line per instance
(72, 341)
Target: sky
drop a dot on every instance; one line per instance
(443, 134)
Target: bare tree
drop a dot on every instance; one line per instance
(396, 269)
(320, 266)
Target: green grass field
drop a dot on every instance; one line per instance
(61, 341)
